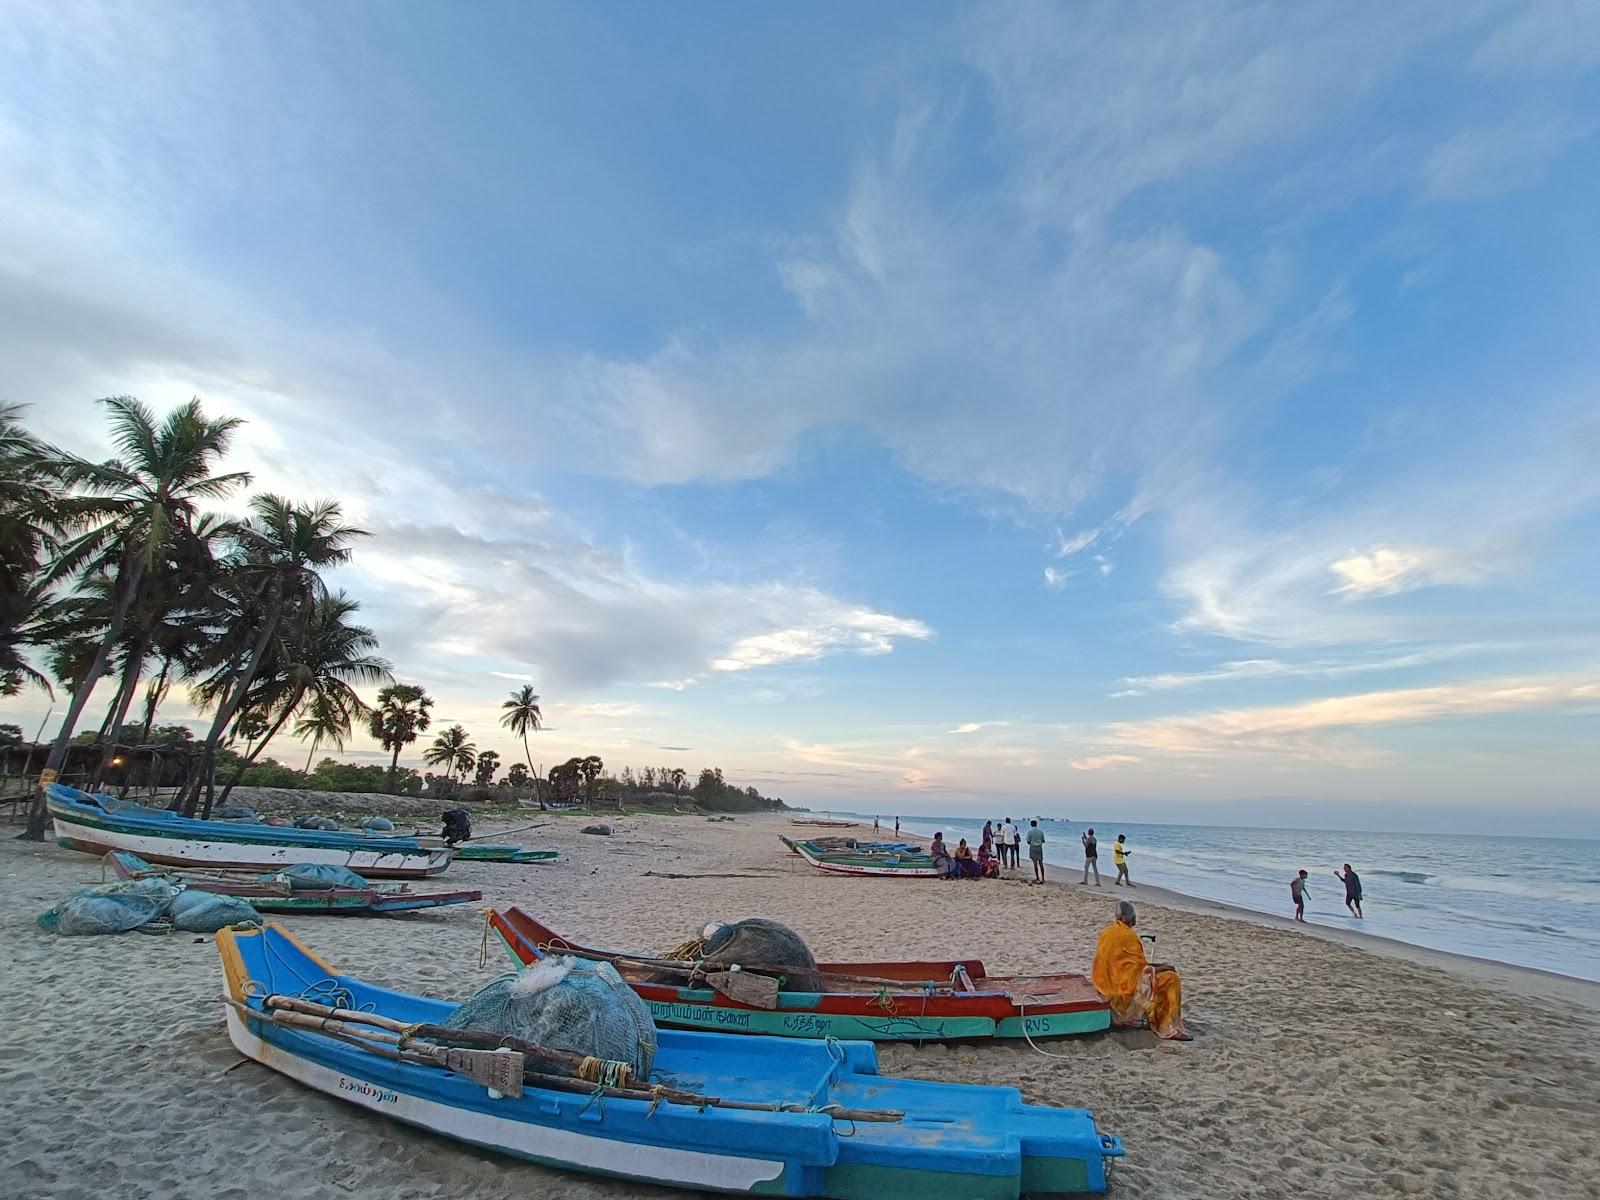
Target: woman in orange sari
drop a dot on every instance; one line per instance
(1138, 992)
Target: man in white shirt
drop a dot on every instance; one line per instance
(1010, 841)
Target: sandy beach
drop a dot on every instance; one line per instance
(1324, 1063)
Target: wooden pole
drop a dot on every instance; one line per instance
(402, 1044)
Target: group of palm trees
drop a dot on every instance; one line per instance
(117, 570)
(401, 714)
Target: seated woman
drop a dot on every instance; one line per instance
(988, 864)
(966, 864)
(1140, 993)
(941, 857)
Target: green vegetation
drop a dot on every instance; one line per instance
(116, 571)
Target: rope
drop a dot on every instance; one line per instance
(483, 944)
(1022, 1018)
(884, 1001)
(689, 951)
(605, 1072)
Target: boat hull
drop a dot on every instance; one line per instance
(883, 866)
(219, 845)
(1045, 1007)
(986, 1142)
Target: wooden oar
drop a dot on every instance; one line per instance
(337, 1022)
(677, 966)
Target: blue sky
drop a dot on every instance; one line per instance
(1182, 410)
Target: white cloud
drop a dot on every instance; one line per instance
(1488, 162)
(1312, 729)
(834, 629)
(1101, 762)
(1386, 571)
(977, 726)
(1078, 541)
(1316, 668)
(1054, 578)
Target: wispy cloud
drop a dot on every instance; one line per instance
(1303, 730)
(1315, 668)
(1101, 762)
(835, 628)
(1387, 572)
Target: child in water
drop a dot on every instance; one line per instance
(1298, 891)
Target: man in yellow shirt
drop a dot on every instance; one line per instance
(1119, 855)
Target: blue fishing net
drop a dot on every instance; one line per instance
(316, 877)
(202, 912)
(110, 908)
(316, 823)
(233, 812)
(566, 1004)
(378, 824)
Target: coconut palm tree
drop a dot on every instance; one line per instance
(520, 714)
(283, 548)
(318, 663)
(401, 714)
(488, 764)
(322, 723)
(452, 751)
(134, 507)
(31, 521)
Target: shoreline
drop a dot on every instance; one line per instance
(1532, 982)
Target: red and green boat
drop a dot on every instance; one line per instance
(867, 1001)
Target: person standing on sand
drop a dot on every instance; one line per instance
(874, 824)
(1091, 857)
(988, 836)
(1036, 850)
(1298, 891)
(1008, 843)
(1352, 889)
(1119, 855)
(897, 827)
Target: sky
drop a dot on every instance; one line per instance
(1188, 411)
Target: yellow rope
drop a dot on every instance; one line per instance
(605, 1073)
(689, 951)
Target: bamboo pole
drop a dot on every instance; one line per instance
(397, 1039)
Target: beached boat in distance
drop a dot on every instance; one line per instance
(98, 825)
(864, 862)
(874, 1001)
(271, 894)
(475, 852)
(745, 1115)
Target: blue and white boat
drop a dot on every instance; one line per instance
(952, 1139)
(98, 825)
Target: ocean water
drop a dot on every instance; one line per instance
(1534, 902)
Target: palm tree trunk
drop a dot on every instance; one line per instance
(254, 754)
(134, 570)
(394, 764)
(315, 741)
(153, 696)
(230, 708)
(131, 672)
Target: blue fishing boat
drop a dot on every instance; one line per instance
(100, 824)
(755, 1115)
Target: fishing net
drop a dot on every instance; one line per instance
(202, 912)
(566, 1004)
(760, 943)
(233, 812)
(316, 877)
(110, 908)
(378, 824)
(316, 823)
